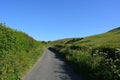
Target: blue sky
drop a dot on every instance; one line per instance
(56, 19)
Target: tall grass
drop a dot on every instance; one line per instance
(18, 52)
(94, 64)
(95, 57)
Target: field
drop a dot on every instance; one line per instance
(95, 57)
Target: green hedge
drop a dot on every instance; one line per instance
(100, 63)
(18, 52)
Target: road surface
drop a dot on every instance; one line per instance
(51, 67)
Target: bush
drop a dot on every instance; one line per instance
(18, 52)
(100, 63)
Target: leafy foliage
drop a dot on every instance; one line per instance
(95, 57)
(18, 52)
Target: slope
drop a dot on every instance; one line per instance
(18, 52)
(95, 57)
(110, 38)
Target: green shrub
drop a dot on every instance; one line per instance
(95, 57)
(101, 63)
(18, 52)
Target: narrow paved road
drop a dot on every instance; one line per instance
(51, 67)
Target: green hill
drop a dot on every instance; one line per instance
(110, 38)
(18, 52)
(115, 30)
(95, 57)
(65, 41)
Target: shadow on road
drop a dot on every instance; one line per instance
(69, 74)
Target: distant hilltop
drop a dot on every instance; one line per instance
(115, 29)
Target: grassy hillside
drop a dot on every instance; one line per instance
(18, 52)
(65, 41)
(110, 38)
(95, 57)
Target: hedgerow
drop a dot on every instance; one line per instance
(18, 52)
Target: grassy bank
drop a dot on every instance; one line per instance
(95, 57)
(18, 52)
